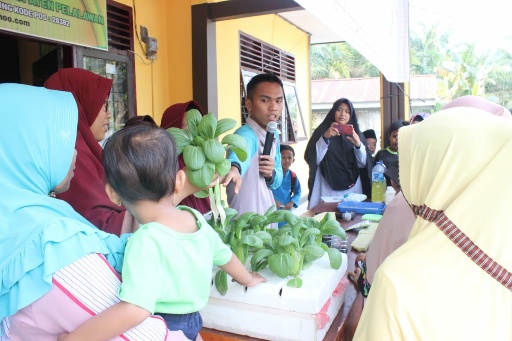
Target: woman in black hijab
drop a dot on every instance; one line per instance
(338, 163)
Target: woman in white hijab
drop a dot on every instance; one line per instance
(455, 174)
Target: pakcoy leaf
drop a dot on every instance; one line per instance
(237, 144)
(335, 229)
(221, 282)
(230, 213)
(240, 252)
(280, 264)
(280, 216)
(252, 240)
(222, 167)
(270, 210)
(314, 250)
(282, 231)
(206, 128)
(215, 212)
(222, 236)
(264, 236)
(259, 257)
(297, 263)
(257, 221)
(194, 157)
(306, 234)
(202, 177)
(291, 218)
(335, 258)
(297, 228)
(202, 194)
(193, 117)
(198, 141)
(224, 125)
(241, 222)
(295, 282)
(311, 222)
(287, 243)
(214, 151)
(182, 137)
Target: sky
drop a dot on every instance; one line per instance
(487, 24)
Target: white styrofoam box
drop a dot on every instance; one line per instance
(274, 311)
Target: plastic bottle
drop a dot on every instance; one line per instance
(378, 182)
(389, 194)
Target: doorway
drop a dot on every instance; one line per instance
(30, 62)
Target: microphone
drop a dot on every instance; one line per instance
(271, 129)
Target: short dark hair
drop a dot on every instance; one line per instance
(287, 147)
(262, 77)
(141, 163)
(396, 125)
(146, 119)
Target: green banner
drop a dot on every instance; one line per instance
(79, 22)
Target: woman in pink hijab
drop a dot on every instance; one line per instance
(398, 219)
(451, 280)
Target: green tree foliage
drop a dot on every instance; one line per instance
(428, 49)
(460, 69)
(463, 73)
(339, 60)
(498, 86)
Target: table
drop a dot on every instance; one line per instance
(339, 331)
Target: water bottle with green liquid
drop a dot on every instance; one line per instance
(378, 182)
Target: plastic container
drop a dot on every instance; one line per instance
(275, 311)
(378, 182)
(362, 207)
(389, 195)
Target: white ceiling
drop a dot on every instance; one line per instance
(306, 21)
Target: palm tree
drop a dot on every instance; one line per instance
(469, 73)
(339, 60)
(460, 69)
(428, 49)
(498, 87)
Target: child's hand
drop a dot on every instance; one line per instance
(255, 279)
(289, 206)
(278, 204)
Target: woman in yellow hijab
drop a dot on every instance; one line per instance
(451, 280)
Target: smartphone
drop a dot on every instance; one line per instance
(345, 129)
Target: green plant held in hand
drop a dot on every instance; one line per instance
(203, 154)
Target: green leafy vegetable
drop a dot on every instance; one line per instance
(214, 151)
(221, 282)
(182, 137)
(201, 177)
(194, 158)
(224, 125)
(193, 117)
(206, 128)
